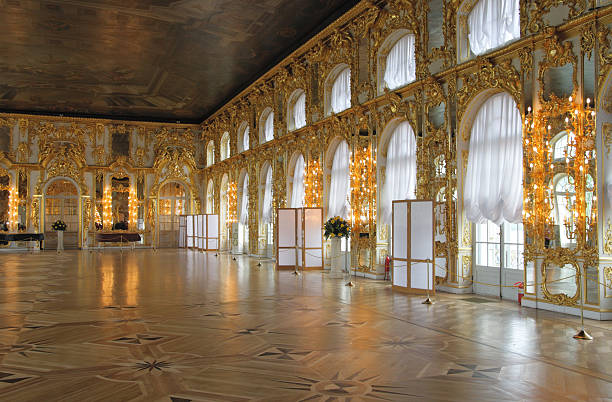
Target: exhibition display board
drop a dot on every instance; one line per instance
(300, 238)
(199, 232)
(413, 249)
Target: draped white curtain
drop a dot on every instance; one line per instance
(400, 172)
(245, 139)
(244, 202)
(297, 192)
(266, 206)
(401, 65)
(340, 183)
(492, 23)
(341, 91)
(299, 111)
(493, 187)
(269, 127)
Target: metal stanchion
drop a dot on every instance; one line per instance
(346, 264)
(428, 300)
(582, 334)
(295, 270)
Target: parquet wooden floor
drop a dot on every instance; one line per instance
(178, 325)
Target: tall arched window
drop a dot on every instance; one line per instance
(297, 111)
(493, 187)
(297, 189)
(400, 181)
(244, 137)
(492, 23)
(210, 198)
(339, 191)
(210, 153)
(340, 93)
(244, 201)
(401, 66)
(225, 146)
(266, 205)
(266, 124)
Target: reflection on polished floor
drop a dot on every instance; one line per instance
(181, 325)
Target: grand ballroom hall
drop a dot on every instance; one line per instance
(305, 200)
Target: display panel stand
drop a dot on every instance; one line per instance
(199, 232)
(413, 247)
(300, 238)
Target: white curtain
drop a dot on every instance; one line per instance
(401, 169)
(493, 187)
(245, 139)
(269, 127)
(266, 206)
(299, 111)
(492, 23)
(340, 183)
(297, 192)
(244, 203)
(341, 92)
(401, 65)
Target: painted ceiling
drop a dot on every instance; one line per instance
(151, 60)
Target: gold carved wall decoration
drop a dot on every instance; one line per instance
(466, 267)
(605, 54)
(607, 246)
(557, 54)
(466, 237)
(606, 131)
(587, 40)
(540, 8)
(607, 277)
(488, 76)
(526, 59)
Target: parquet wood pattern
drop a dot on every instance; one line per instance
(180, 325)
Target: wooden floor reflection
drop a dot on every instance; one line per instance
(180, 325)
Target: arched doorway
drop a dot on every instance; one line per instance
(173, 202)
(62, 203)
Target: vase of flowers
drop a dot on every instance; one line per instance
(335, 229)
(59, 226)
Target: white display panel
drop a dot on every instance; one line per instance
(421, 229)
(314, 258)
(286, 228)
(190, 233)
(286, 257)
(213, 226)
(400, 275)
(213, 244)
(418, 276)
(313, 222)
(400, 230)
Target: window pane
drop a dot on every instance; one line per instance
(481, 254)
(481, 232)
(493, 256)
(493, 232)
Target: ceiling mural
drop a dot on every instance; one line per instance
(153, 60)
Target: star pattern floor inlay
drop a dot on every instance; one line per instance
(178, 325)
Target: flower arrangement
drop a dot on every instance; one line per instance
(336, 227)
(59, 225)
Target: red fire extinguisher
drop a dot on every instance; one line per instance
(387, 267)
(521, 291)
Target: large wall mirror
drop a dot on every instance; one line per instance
(120, 187)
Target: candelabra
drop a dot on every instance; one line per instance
(363, 196)
(13, 217)
(581, 205)
(107, 212)
(313, 189)
(232, 204)
(538, 170)
(133, 207)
